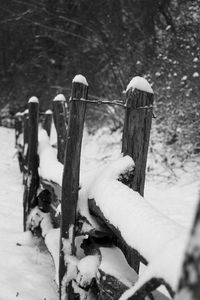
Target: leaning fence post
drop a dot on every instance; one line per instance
(189, 284)
(32, 179)
(47, 121)
(136, 133)
(59, 117)
(18, 127)
(70, 184)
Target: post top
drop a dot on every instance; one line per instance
(48, 112)
(80, 79)
(59, 97)
(33, 100)
(139, 83)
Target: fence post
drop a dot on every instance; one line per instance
(46, 124)
(189, 284)
(70, 184)
(59, 117)
(18, 145)
(32, 179)
(136, 133)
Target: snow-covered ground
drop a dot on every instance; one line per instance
(27, 271)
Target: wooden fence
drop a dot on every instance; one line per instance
(48, 194)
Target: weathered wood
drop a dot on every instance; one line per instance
(189, 284)
(135, 141)
(136, 133)
(47, 121)
(32, 179)
(25, 143)
(18, 145)
(70, 184)
(60, 122)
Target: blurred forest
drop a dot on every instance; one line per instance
(44, 44)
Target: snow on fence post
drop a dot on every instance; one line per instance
(59, 117)
(47, 121)
(70, 184)
(189, 284)
(32, 179)
(135, 140)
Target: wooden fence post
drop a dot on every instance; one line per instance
(18, 145)
(189, 284)
(32, 179)
(59, 116)
(135, 140)
(25, 144)
(47, 121)
(18, 127)
(70, 184)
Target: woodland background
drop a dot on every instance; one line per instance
(44, 44)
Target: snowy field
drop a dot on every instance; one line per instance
(27, 271)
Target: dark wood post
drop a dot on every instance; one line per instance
(60, 122)
(70, 184)
(189, 284)
(47, 121)
(18, 145)
(135, 140)
(18, 127)
(25, 144)
(32, 179)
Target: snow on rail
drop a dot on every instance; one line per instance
(50, 168)
(156, 237)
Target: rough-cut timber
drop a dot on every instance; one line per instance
(18, 145)
(189, 285)
(25, 142)
(135, 142)
(70, 184)
(32, 179)
(47, 121)
(60, 121)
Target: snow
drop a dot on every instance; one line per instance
(59, 97)
(27, 271)
(195, 75)
(28, 266)
(33, 100)
(50, 168)
(80, 79)
(121, 205)
(139, 83)
(48, 112)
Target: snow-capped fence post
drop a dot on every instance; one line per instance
(59, 117)
(137, 125)
(135, 140)
(70, 183)
(189, 284)
(32, 179)
(47, 121)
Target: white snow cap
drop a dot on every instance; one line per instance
(48, 112)
(59, 97)
(139, 83)
(33, 100)
(81, 79)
